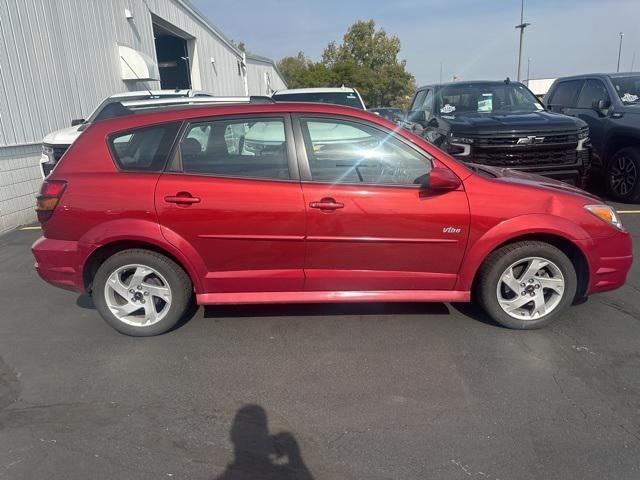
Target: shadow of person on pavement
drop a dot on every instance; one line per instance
(259, 455)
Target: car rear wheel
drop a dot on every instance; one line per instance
(526, 285)
(623, 179)
(141, 293)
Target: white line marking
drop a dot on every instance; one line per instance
(30, 228)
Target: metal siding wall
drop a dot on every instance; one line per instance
(59, 59)
(19, 180)
(255, 75)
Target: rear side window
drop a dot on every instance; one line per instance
(252, 148)
(143, 149)
(565, 94)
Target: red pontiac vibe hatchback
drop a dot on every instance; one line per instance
(285, 203)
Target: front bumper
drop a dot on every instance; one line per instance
(609, 263)
(59, 262)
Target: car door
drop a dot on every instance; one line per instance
(369, 225)
(233, 195)
(592, 91)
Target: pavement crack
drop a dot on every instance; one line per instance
(568, 398)
(9, 385)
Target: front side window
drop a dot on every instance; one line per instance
(427, 105)
(143, 149)
(347, 152)
(592, 91)
(252, 148)
(418, 100)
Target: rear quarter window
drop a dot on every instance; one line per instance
(143, 149)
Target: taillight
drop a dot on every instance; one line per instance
(50, 194)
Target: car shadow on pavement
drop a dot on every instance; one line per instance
(473, 311)
(85, 301)
(325, 309)
(259, 455)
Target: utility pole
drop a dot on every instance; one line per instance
(619, 51)
(633, 61)
(440, 73)
(522, 26)
(528, 65)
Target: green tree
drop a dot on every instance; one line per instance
(367, 59)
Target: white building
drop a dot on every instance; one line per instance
(60, 58)
(540, 86)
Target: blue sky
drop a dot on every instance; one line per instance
(474, 39)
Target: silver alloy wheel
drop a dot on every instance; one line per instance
(137, 295)
(623, 175)
(530, 288)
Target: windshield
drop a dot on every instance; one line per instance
(349, 99)
(628, 88)
(486, 98)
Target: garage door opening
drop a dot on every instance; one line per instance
(173, 59)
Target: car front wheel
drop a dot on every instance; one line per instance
(141, 293)
(526, 285)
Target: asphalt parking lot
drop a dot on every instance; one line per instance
(389, 391)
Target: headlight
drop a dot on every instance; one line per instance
(465, 140)
(47, 155)
(606, 214)
(583, 133)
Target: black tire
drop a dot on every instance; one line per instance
(497, 263)
(177, 279)
(623, 175)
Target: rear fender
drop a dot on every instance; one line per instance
(144, 231)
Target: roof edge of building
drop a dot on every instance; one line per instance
(216, 31)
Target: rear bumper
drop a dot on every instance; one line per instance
(611, 260)
(59, 262)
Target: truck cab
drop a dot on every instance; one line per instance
(610, 105)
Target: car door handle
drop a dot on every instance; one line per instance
(327, 204)
(182, 198)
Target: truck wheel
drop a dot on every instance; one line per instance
(623, 175)
(526, 285)
(141, 293)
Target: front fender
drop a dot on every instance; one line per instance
(144, 231)
(513, 228)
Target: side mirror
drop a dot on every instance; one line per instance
(601, 106)
(439, 180)
(417, 116)
(77, 121)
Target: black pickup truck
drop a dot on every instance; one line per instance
(610, 104)
(501, 124)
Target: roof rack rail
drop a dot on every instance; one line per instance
(261, 99)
